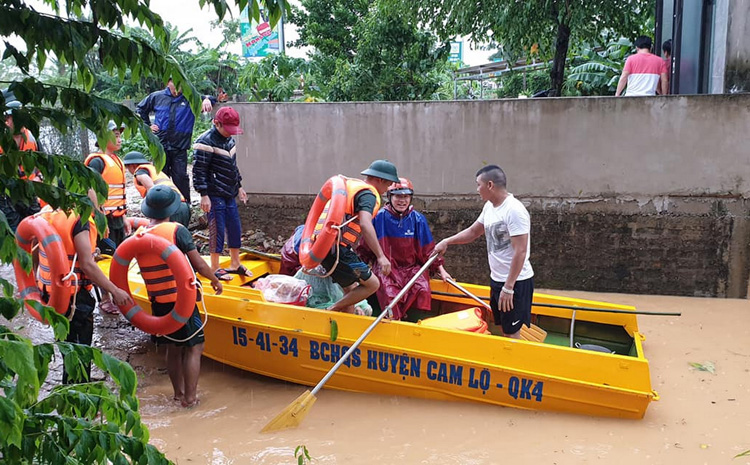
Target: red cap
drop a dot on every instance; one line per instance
(230, 119)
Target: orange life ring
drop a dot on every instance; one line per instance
(144, 243)
(35, 227)
(136, 222)
(312, 253)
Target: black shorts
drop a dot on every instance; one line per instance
(350, 269)
(523, 294)
(194, 322)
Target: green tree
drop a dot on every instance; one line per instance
(371, 51)
(523, 26)
(596, 70)
(329, 28)
(275, 78)
(90, 422)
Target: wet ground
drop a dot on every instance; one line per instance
(702, 417)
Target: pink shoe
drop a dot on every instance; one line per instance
(109, 307)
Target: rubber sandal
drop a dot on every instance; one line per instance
(109, 307)
(241, 270)
(222, 274)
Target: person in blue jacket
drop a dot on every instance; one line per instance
(173, 124)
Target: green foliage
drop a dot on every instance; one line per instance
(302, 455)
(596, 71)
(89, 422)
(515, 83)
(275, 78)
(136, 142)
(545, 26)
(369, 50)
(394, 61)
(82, 423)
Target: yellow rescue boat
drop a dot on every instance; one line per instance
(300, 345)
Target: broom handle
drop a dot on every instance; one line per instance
(367, 332)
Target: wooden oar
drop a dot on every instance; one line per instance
(248, 250)
(531, 333)
(295, 412)
(575, 307)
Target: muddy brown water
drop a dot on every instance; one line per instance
(702, 417)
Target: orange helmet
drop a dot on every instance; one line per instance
(403, 186)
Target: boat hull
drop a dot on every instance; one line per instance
(299, 345)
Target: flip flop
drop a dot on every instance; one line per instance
(223, 274)
(241, 270)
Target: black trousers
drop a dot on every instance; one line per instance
(176, 168)
(81, 330)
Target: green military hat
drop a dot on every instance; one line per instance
(382, 169)
(134, 158)
(161, 202)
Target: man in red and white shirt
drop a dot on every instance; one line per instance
(643, 71)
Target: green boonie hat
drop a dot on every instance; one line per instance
(382, 169)
(161, 202)
(134, 158)
(111, 126)
(11, 102)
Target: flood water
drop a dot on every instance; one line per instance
(702, 417)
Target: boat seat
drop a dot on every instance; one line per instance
(463, 320)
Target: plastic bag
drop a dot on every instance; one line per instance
(323, 291)
(284, 289)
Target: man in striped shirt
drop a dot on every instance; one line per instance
(643, 71)
(217, 179)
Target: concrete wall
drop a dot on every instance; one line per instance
(737, 74)
(626, 194)
(676, 145)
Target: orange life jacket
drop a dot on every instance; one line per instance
(350, 233)
(160, 283)
(64, 225)
(28, 143)
(157, 178)
(114, 176)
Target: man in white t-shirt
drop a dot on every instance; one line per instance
(643, 72)
(506, 224)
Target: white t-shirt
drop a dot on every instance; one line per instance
(500, 223)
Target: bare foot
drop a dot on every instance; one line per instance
(192, 404)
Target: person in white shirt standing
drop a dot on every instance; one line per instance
(506, 224)
(643, 72)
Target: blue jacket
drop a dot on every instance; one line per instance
(215, 171)
(174, 117)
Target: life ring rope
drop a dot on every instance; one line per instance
(332, 194)
(182, 272)
(36, 227)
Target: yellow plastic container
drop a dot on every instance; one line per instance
(464, 320)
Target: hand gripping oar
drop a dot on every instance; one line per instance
(295, 412)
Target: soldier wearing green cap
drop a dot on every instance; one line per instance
(184, 346)
(145, 176)
(351, 273)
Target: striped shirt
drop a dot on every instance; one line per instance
(644, 72)
(215, 171)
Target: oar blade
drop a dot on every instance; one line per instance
(292, 415)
